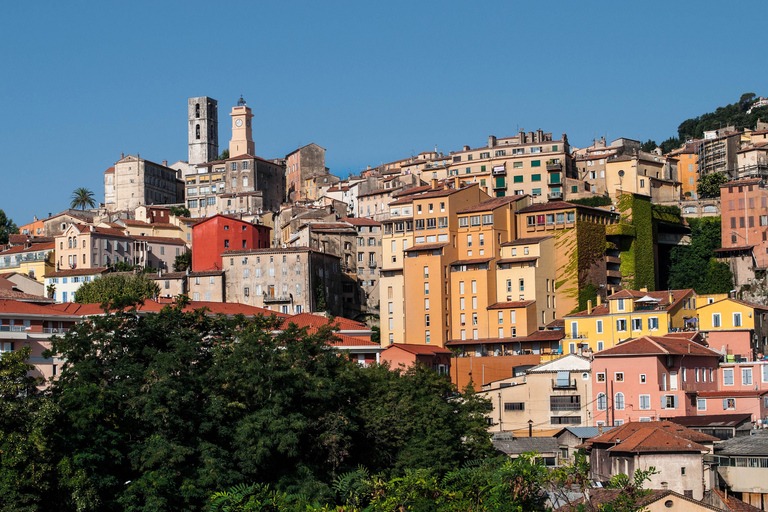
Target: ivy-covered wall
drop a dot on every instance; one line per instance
(637, 262)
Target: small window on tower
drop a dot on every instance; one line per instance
(197, 131)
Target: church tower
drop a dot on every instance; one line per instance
(203, 129)
(242, 132)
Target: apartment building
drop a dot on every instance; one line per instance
(84, 246)
(580, 241)
(688, 168)
(134, 181)
(629, 314)
(369, 259)
(648, 174)
(288, 280)
(590, 162)
(300, 164)
(652, 376)
(62, 284)
(32, 259)
(717, 152)
(214, 235)
(744, 217)
(738, 329)
(530, 163)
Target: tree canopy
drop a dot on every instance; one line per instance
(7, 227)
(709, 185)
(160, 411)
(694, 266)
(180, 211)
(82, 198)
(182, 262)
(118, 288)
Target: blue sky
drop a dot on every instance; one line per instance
(371, 82)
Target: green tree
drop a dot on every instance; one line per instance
(117, 288)
(223, 156)
(648, 146)
(183, 262)
(26, 434)
(180, 211)
(82, 198)
(670, 144)
(7, 227)
(694, 265)
(709, 185)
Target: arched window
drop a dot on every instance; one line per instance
(197, 131)
(74, 243)
(69, 242)
(197, 110)
(618, 401)
(710, 209)
(601, 401)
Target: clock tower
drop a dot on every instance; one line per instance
(242, 131)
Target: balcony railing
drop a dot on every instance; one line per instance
(276, 298)
(554, 167)
(12, 328)
(53, 330)
(372, 264)
(557, 384)
(577, 335)
(499, 171)
(555, 195)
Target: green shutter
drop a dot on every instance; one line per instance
(517, 179)
(535, 163)
(536, 177)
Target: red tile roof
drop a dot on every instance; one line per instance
(526, 241)
(77, 272)
(512, 305)
(524, 259)
(474, 261)
(657, 345)
(653, 436)
(353, 341)
(160, 240)
(734, 504)
(313, 322)
(491, 204)
(46, 246)
(733, 394)
(26, 297)
(426, 247)
(360, 221)
(419, 350)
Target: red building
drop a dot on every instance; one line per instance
(744, 218)
(214, 235)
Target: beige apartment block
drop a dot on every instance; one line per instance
(530, 163)
(134, 181)
(645, 174)
(551, 395)
(287, 280)
(83, 246)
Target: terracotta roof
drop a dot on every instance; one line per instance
(102, 231)
(327, 226)
(429, 193)
(653, 436)
(747, 181)
(353, 341)
(734, 504)
(712, 420)
(738, 301)
(77, 272)
(109, 170)
(657, 345)
(474, 261)
(663, 296)
(526, 241)
(512, 305)
(26, 297)
(131, 222)
(419, 350)
(231, 308)
(426, 247)
(525, 259)
(313, 322)
(47, 246)
(561, 205)
(491, 204)
(13, 306)
(534, 337)
(160, 240)
(360, 221)
(738, 248)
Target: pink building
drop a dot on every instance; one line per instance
(744, 217)
(645, 378)
(742, 388)
(439, 359)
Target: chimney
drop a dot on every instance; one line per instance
(671, 299)
(599, 300)
(600, 429)
(589, 307)
(122, 155)
(465, 148)
(457, 183)
(434, 183)
(491, 141)
(644, 289)
(165, 163)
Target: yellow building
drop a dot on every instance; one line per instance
(34, 260)
(736, 328)
(643, 173)
(629, 314)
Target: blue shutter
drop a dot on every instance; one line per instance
(725, 403)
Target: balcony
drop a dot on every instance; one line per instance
(499, 171)
(271, 299)
(558, 384)
(613, 273)
(554, 167)
(555, 195)
(577, 335)
(53, 330)
(372, 264)
(612, 259)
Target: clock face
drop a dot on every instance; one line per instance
(239, 122)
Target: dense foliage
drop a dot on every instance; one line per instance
(183, 262)
(709, 185)
(180, 211)
(594, 201)
(160, 411)
(694, 266)
(7, 227)
(119, 288)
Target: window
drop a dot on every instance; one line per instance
(729, 403)
(600, 377)
(668, 402)
(620, 305)
(601, 402)
(701, 404)
(565, 403)
(621, 325)
(716, 320)
(637, 324)
(653, 324)
(514, 406)
(618, 401)
(426, 320)
(737, 319)
(645, 402)
(746, 376)
(619, 377)
(535, 163)
(599, 325)
(727, 376)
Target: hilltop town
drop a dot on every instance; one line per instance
(611, 297)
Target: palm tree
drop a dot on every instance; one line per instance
(81, 198)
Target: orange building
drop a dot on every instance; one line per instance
(688, 168)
